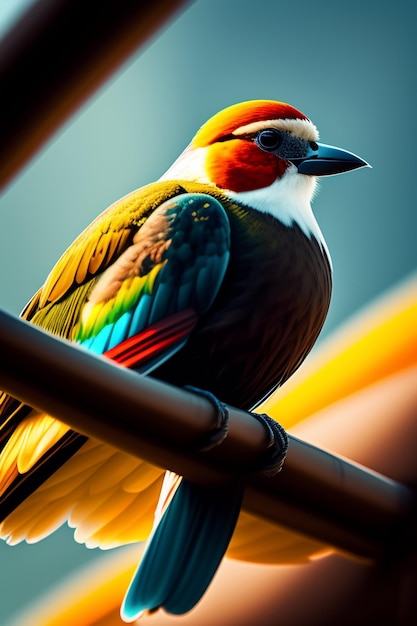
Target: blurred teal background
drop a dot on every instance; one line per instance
(349, 66)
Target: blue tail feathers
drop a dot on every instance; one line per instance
(184, 550)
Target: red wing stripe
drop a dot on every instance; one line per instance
(153, 340)
(144, 355)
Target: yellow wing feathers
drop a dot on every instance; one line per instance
(101, 242)
(108, 496)
(90, 253)
(29, 442)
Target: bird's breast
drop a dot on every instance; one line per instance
(267, 316)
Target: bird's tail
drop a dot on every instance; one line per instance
(185, 548)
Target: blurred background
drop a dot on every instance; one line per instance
(350, 67)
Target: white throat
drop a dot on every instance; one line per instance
(288, 199)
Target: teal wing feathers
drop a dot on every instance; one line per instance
(175, 265)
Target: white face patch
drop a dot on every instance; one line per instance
(301, 128)
(288, 199)
(189, 166)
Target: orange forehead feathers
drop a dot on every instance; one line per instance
(228, 120)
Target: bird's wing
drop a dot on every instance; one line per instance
(136, 301)
(101, 243)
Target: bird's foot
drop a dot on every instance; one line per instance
(276, 450)
(216, 435)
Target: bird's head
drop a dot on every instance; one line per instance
(250, 145)
(265, 154)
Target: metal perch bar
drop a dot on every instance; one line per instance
(318, 494)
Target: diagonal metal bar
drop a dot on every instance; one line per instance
(56, 56)
(318, 494)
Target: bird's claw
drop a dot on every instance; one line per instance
(276, 450)
(217, 434)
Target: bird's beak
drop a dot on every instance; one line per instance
(323, 160)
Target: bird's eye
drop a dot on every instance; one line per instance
(269, 139)
(313, 145)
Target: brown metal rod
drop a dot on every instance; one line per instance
(56, 56)
(317, 494)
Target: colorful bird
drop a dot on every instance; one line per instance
(217, 277)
